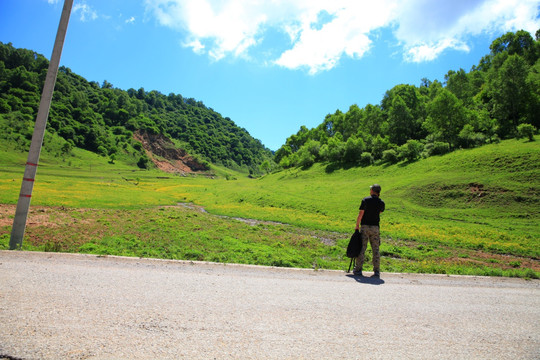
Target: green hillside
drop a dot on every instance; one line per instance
(485, 198)
(497, 99)
(474, 211)
(110, 121)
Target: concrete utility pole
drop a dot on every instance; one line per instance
(23, 204)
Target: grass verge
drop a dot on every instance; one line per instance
(471, 212)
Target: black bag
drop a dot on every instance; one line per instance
(354, 247)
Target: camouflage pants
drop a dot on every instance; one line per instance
(371, 234)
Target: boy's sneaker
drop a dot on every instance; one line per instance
(376, 274)
(357, 272)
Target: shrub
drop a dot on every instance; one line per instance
(265, 166)
(285, 162)
(4, 106)
(143, 162)
(305, 158)
(334, 150)
(526, 131)
(282, 153)
(437, 148)
(366, 159)
(390, 156)
(67, 147)
(411, 150)
(378, 145)
(313, 147)
(137, 146)
(353, 150)
(101, 150)
(469, 138)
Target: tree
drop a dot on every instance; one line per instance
(353, 150)
(4, 106)
(112, 158)
(305, 158)
(458, 83)
(265, 166)
(332, 123)
(446, 117)
(106, 85)
(295, 142)
(510, 94)
(372, 120)
(282, 152)
(434, 89)
(314, 148)
(409, 117)
(334, 150)
(378, 145)
(533, 82)
(401, 123)
(351, 121)
(288, 161)
(518, 43)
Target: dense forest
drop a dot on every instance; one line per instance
(497, 99)
(104, 119)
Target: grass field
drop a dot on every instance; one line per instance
(469, 212)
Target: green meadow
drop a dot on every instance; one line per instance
(472, 212)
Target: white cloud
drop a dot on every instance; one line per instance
(427, 28)
(323, 32)
(131, 20)
(421, 53)
(219, 28)
(319, 47)
(86, 12)
(196, 45)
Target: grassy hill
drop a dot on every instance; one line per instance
(469, 212)
(116, 123)
(498, 99)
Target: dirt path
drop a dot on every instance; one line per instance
(67, 306)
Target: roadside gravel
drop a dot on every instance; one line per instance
(69, 306)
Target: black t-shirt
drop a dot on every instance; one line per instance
(372, 206)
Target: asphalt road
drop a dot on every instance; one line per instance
(65, 306)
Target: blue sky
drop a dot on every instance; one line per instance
(270, 66)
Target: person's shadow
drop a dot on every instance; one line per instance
(372, 280)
